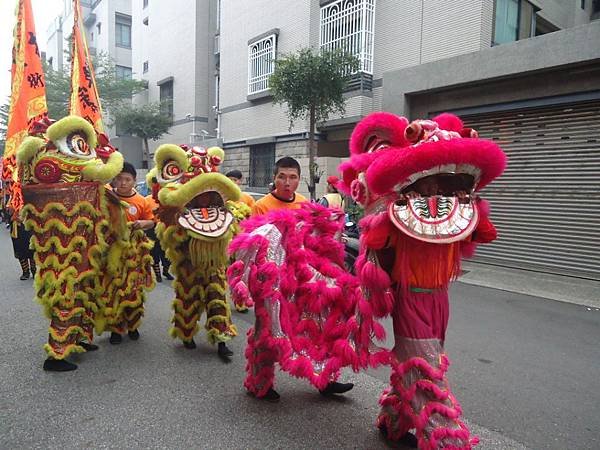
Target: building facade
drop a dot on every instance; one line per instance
(525, 72)
(176, 53)
(108, 25)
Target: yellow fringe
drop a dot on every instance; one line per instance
(71, 348)
(175, 332)
(215, 336)
(54, 243)
(57, 224)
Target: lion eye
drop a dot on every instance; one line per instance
(171, 171)
(75, 145)
(78, 145)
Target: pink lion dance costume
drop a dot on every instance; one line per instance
(290, 264)
(417, 184)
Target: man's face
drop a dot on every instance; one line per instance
(286, 182)
(124, 183)
(237, 181)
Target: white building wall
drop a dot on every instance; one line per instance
(55, 43)
(407, 33)
(242, 20)
(450, 28)
(178, 43)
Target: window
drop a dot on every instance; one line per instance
(99, 27)
(92, 36)
(261, 63)
(145, 67)
(515, 19)
(123, 73)
(582, 4)
(348, 25)
(166, 98)
(123, 31)
(262, 163)
(145, 4)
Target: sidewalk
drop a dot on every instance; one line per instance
(554, 287)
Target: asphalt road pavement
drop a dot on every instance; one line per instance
(525, 370)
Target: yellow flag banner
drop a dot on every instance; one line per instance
(28, 95)
(85, 101)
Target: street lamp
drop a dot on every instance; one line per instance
(193, 134)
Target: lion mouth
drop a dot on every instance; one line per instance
(206, 215)
(437, 207)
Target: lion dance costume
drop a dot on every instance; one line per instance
(67, 211)
(290, 266)
(196, 224)
(417, 184)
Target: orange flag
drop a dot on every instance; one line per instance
(28, 95)
(85, 101)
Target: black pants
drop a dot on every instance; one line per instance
(158, 254)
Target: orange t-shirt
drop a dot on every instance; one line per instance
(269, 202)
(139, 208)
(247, 199)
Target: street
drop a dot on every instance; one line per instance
(525, 370)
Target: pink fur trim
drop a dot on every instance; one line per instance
(396, 165)
(385, 126)
(317, 317)
(450, 122)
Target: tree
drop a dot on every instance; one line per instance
(113, 91)
(145, 121)
(312, 84)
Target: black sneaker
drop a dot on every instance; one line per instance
(336, 388)
(24, 276)
(133, 335)
(224, 351)
(167, 275)
(190, 345)
(115, 338)
(58, 365)
(88, 347)
(408, 439)
(271, 396)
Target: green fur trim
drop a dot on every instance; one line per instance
(71, 348)
(57, 224)
(239, 210)
(77, 209)
(104, 172)
(175, 332)
(30, 146)
(69, 124)
(54, 243)
(150, 177)
(168, 152)
(215, 336)
(178, 195)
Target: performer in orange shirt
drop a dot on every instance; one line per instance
(128, 308)
(284, 196)
(139, 211)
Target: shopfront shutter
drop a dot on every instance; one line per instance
(546, 206)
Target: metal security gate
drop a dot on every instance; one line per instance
(546, 206)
